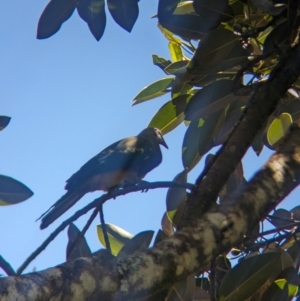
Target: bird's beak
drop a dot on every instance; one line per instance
(163, 142)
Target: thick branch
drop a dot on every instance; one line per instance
(262, 104)
(103, 277)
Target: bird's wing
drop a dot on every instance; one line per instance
(133, 154)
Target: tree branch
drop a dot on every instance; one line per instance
(104, 277)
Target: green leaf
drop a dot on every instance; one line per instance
(4, 121)
(117, 237)
(176, 196)
(250, 275)
(13, 191)
(175, 51)
(81, 249)
(124, 12)
(155, 89)
(218, 51)
(177, 68)
(278, 128)
(170, 115)
(184, 8)
(183, 290)
(55, 13)
(138, 243)
(93, 13)
(160, 62)
(210, 99)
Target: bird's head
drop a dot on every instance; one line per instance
(154, 133)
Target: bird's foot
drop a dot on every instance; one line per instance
(141, 182)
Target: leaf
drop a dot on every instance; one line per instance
(155, 89)
(13, 191)
(138, 243)
(183, 290)
(184, 8)
(124, 12)
(160, 236)
(177, 68)
(176, 196)
(175, 51)
(218, 51)
(278, 128)
(55, 13)
(170, 115)
(250, 275)
(166, 225)
(117, 237)
(93, 13)
(4, 121)
(210, 99)
(160, 62)
(81, 249)
(281, 218)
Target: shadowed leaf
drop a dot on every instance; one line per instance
(13, 191)
(55, 13)
(138, 243)
(124, 12)
(183, 290)
(93, 13)
(81, 249)
(160, 62)
(4, 121)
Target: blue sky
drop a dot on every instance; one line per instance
(69, 97)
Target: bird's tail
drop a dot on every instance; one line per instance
(60, 207)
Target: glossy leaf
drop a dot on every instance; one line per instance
(170, 115)
(13, 191)
(218, 51)
(210, 99)
(138, 243)
(160, 62)
(176, 196)
(278, 128)
(4, 121)
(55, 13)
(93, 13)
(175, 51)
(155, 89)
(117, 237)
(250, 275)
(177, 68)
(81, 249)
(124, 12)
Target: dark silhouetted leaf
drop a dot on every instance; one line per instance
(138, 243)
(155, 89)
(4, 121)
(81, 249)
(218, 51)
(210, 99)
(124, 12)
(281, 218)
(170, 115)
(251, 274)
(183, 290)
(13, 191)
(55, 13)
(93, 13)
(116, 235)
(160, 236)
(176, 196)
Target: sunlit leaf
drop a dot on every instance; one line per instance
(183, 8)
(117, 237)
(124, 12)
(138, 243)
(93, 13)
(175, 51)
(12, 191)
(278, 128)
(210, 99)
(250, 275)
(155, 89)
(160, 62)
(166, 225)
(81, 249)
(55, 13)
(170, 115)
(4, 121)
(218, 51)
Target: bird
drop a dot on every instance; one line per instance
(125, 162)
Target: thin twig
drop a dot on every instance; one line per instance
(6, 267)
(107, 243)
(97, 202)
